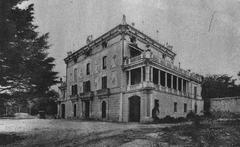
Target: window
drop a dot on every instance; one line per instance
(156, 103)
(169, 81)
(104, 44)
(155, 76)
(185, 107)
(195, 108)
(133, 39)
(75, 75)
(104, 82)
(162, 76)
(184, 86)
(179, 84)
(135, 76)
(195, 92)
(175, 82)
(104, 62)
(175, 106)
(74, 89)
(88, 69)
(86, 86)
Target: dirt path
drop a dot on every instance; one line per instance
(37, 132)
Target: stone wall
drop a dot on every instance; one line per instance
(231, 104)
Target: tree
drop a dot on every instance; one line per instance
(24, 62)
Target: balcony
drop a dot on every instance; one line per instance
(87, 95)
(74, 98)
(149, 86)
(167, 64)
(144, 85)
(103, 92)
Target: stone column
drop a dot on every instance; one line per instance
(165, 79)
(151, 68)
(171, 81)
(159, 77)
(141, 74)
(129, 77)
(147, 70)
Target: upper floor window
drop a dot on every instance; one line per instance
(74, 89)
(104, 44)
(88, 69)
(184, 86)
(175, 82)
(155, 75)
(179, 84)
(104, 82)
(169, 80)
(133, 39)
(162, 76)
(86, 86)
(75, 75)
(195, 92)
(104, 62)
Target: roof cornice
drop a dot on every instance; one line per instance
(122, 29)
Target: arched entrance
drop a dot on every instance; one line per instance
(104, 108)
(134, 109)
(63, 110)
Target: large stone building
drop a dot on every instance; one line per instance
(122, 75)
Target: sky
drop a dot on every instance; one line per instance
(205, 34)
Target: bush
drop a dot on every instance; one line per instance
(223, 114)
(169, 119)
(191, 115)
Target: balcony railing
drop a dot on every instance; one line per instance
(150, 85)
(87, 95)
(101, 92)
(163, 62)
(143, 85)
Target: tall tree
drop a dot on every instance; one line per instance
(24, 62)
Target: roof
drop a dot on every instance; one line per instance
(122, 29)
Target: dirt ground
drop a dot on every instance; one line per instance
(66, 133)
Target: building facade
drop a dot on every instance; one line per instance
(123, 75)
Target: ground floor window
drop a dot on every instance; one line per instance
(195, 109)
(175, 106)
(185, 107)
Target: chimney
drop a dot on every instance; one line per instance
(179, 64)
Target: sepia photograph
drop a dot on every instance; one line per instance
(120, 73)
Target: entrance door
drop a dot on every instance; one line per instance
(87, 107)
(104, 107)
(134, 109)
(63, 110)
